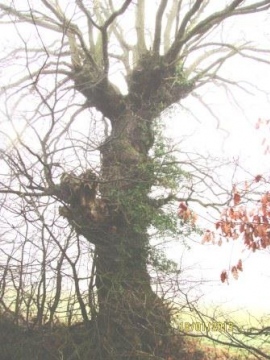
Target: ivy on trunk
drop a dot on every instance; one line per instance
(113, 210)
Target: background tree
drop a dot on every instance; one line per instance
(104, 186)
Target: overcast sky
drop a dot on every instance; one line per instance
(233, 136)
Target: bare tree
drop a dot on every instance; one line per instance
(105, 70)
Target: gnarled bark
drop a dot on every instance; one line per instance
(113, 212)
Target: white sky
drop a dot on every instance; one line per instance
(251, 291)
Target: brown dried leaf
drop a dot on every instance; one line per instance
(224, 276)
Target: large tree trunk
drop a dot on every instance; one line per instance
(135, 320)
(132, 320)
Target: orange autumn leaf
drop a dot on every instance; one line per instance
(261, 231)
(254, 246)
(235, 272)
(256, 219)
(236, 198)
(263, 242)
(226, 228)
(186, 214)
(265, 201)
(258, 178)
(208, 236)
(246, 217)
(265, 220)
(235, 214)
(182, 206)
(239, 265)
(242, 227)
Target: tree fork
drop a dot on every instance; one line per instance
(131, 317)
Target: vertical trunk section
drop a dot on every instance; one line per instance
(132, 319)
(132, 322)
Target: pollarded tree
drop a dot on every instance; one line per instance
(129, 66)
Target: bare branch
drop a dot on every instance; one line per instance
(140, 27)
(204, 26)
(183, 26)
(172, 18)
(104, 33)
(47, 24)
(158, 26)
